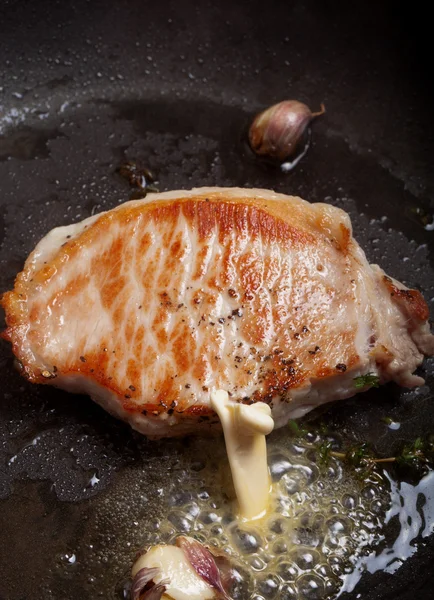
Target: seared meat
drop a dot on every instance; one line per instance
(151, 306)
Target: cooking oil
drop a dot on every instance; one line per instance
(325, 525)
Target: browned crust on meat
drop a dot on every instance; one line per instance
(411, 301)
(6, 334)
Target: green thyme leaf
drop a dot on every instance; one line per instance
(293, 426)
(296, 429)
(418, 444)
(324, 452)
(366, 380)
(356, 455)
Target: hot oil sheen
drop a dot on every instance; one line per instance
(324, 527)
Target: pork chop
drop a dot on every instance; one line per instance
(152, 305)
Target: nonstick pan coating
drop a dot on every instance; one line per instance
(86, 85)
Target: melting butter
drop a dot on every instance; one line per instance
(245, 428)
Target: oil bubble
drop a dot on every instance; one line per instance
(304, 558)
(216, 530)
(268, 587)
(277, 525)
(257, 564)
(293, 485)
(288, 571)
(349, 501)
(279, 466)
(280, 546)
(310, 587)
(181, 522)
(208, 517)
(288, 591)
(369, 492)
(247, 542)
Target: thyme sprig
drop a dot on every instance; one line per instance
(414, 458)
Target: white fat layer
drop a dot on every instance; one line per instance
(245, 428)
(50, 244)
(183, 583)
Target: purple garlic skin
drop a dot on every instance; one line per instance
(279, 131)
(143, 587)
(205, 564)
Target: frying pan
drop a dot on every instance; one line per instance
(87, 85)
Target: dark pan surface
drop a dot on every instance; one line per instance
(84, 85)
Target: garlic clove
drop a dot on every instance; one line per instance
(279, 132)
(175, 572)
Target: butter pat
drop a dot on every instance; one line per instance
(245, 428)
